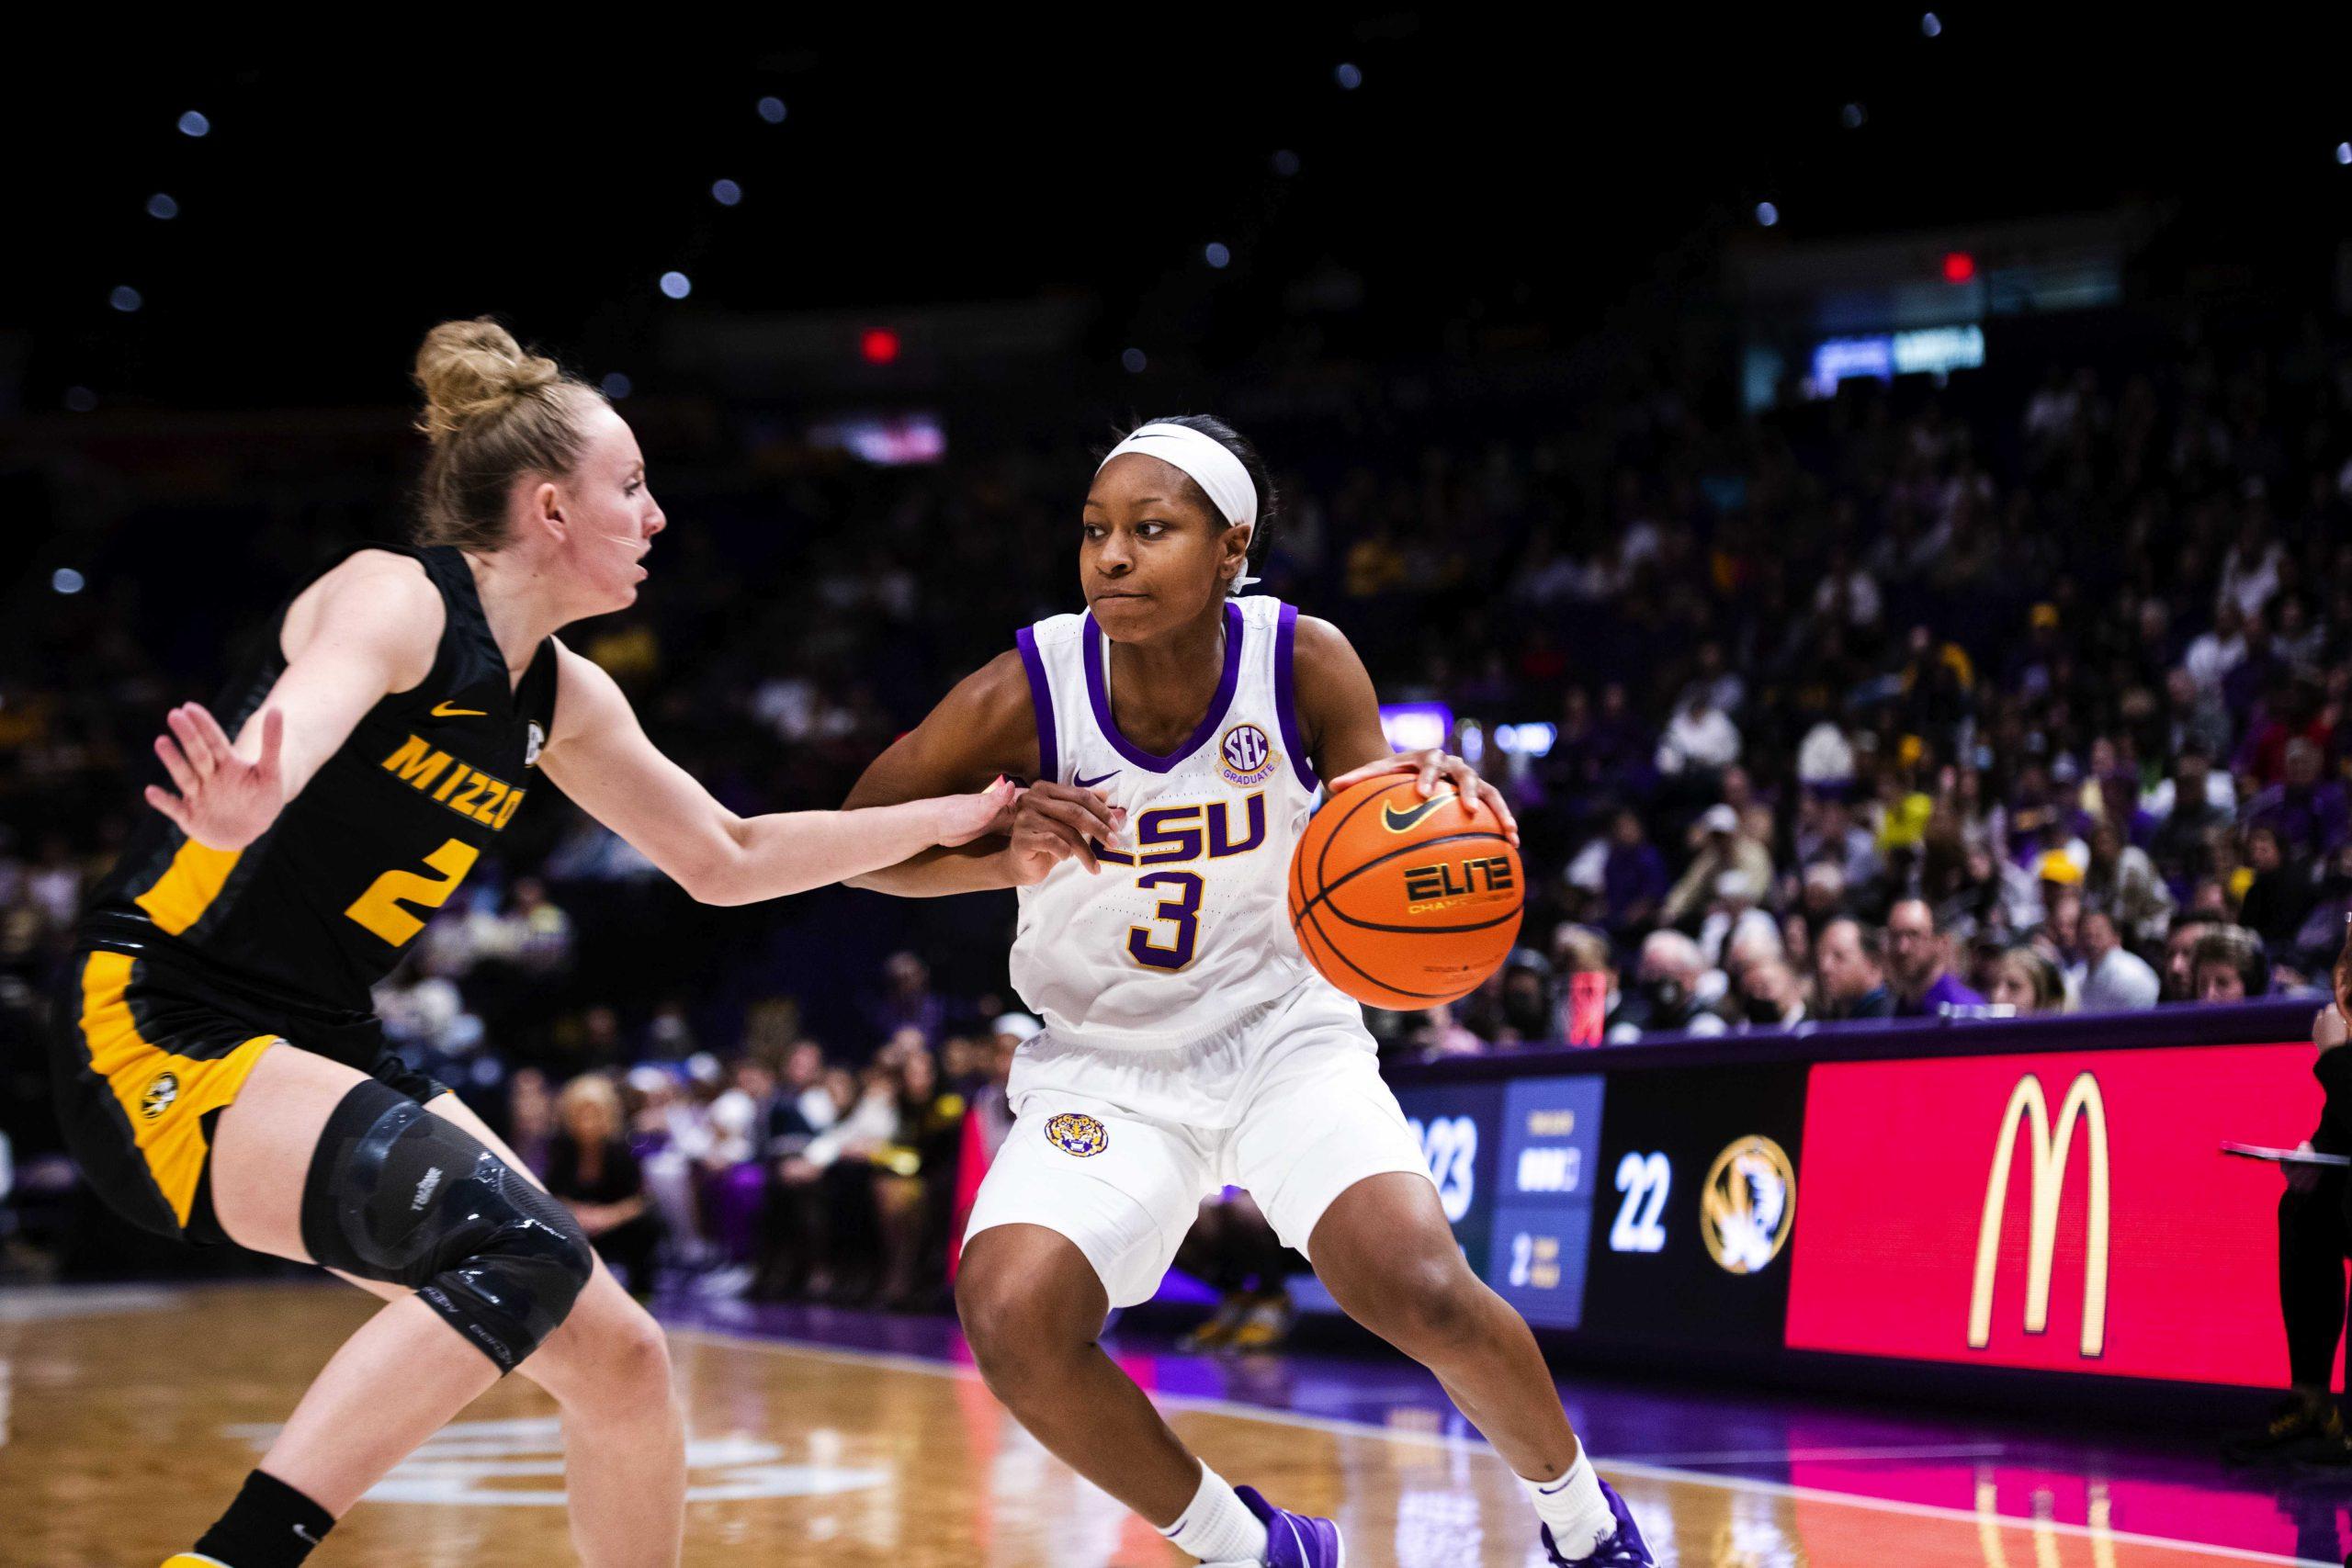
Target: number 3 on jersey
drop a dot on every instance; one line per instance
(379, 909)
(1180, 910)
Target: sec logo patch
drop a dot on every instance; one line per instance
(1245, 756)
(1082, 1136)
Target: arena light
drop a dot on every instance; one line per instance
(125, 299)
(81, 400)
(1767, 214)
(1285, 162)
(1932, 25)
(1415, 726)
(1852, 117)
(162, 206)
(676, 284)
(1218, 256)
(771, 111)
(887, 440)
(1348, 77)
(1526, 740)
(727, 192)
(1938, 351)
(1959, 266)
(1881, 356)
(65, 580)
(1134, 361)
(2343, 152)
(617, 386)
(879, 345)
(195, 124)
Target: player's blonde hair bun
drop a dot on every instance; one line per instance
(472, 371)
(495, 414)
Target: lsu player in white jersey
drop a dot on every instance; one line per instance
(1178, 737)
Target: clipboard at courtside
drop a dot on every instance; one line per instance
(2286, 1157)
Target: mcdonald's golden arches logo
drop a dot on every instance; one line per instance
(2051, 1146)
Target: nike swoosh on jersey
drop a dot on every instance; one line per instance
(1089, 784)
(1404, 821)
(442, 710)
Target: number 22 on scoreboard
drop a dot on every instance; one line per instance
(1645, 1179)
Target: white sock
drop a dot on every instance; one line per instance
(1217, 1525)
(1574, 1507)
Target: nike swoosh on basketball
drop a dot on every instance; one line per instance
(1089, 784)
(442, 710)
(1404, 821)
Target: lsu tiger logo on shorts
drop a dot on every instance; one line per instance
(159, 1096)
(1082, 1136)
(1245, 756)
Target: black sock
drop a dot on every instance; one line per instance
(269, 1526)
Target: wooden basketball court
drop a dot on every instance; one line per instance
(128, 1416)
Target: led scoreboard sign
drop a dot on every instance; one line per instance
(1542, 1223)
(2062, 1210)
(1703, 1198)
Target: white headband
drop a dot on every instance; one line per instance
(1217, 472)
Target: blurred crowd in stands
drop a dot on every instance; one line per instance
(1999, 697)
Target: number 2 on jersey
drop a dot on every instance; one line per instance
(379, 909)
(1180, 910)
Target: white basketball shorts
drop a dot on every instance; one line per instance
(1115, 1148)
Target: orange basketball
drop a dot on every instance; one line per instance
(1405, 902)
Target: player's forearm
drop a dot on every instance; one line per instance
(981, 866)
(792, 852)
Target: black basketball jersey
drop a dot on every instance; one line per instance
(321, 907)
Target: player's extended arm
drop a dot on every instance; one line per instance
(599, 755)
(984, 728)
(367, 629)
(1341, 712)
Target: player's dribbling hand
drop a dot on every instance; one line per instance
(224, 802)
(963, 818)
(1054, 822)
(1436, 769)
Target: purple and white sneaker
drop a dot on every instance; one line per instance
(1623, 1549)
(1295, 1541)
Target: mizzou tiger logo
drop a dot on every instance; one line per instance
(160, 1094)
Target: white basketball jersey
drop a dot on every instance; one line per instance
(1187, 923)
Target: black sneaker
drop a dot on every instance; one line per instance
(2307, 1427)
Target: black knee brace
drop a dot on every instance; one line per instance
(399, 1195)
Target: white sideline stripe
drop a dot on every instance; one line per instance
(1342, 1426)
(1823, 1456)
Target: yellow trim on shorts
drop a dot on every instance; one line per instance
(164, 1096)
(188, 885)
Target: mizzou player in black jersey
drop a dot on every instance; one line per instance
(286, 935)
(219, 1076)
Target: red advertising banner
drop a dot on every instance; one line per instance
(2068, 1211)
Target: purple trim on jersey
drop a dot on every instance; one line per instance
(1098, 695)
(1286, 697)
(1041, 699)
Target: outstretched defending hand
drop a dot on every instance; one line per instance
(1436, 768)
(224, 802)
(963, 818)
